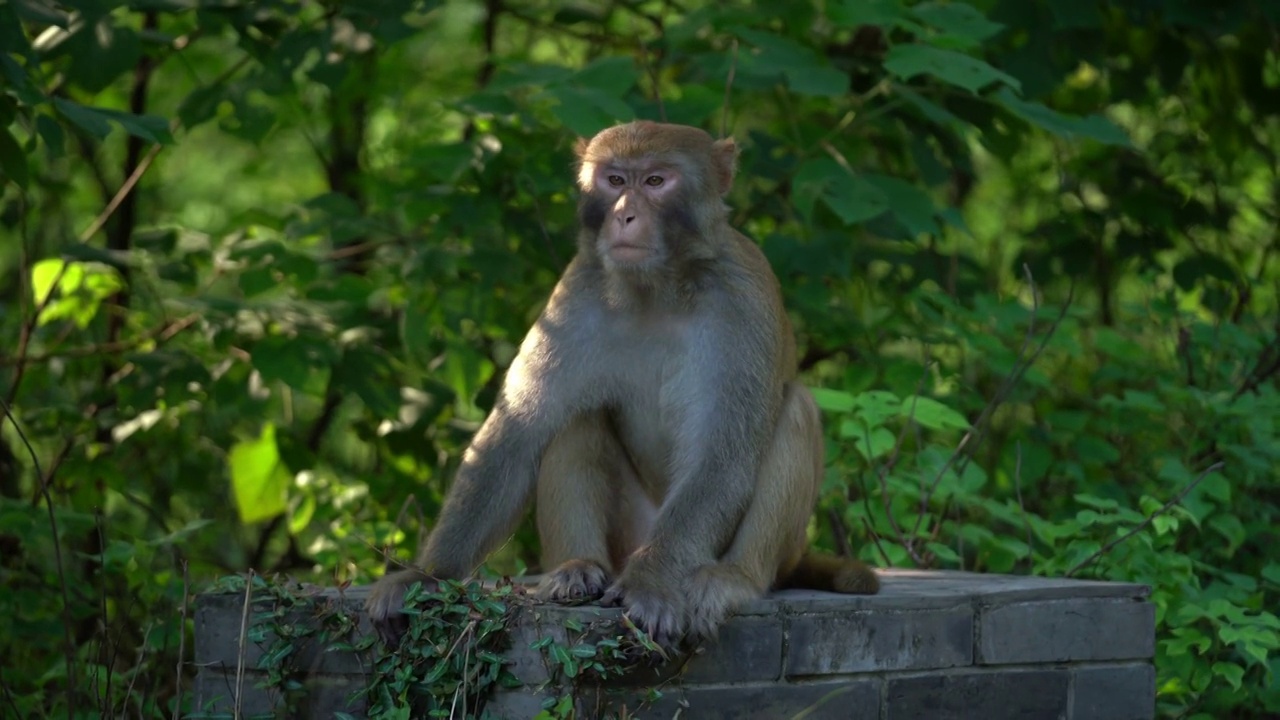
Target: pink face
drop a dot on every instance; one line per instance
(634, 196)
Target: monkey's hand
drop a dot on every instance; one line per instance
(386, 599)
(651, 598)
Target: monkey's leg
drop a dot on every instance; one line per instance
(771, 540)
(576, 496)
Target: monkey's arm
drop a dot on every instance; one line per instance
(542, 389)
(495, 481)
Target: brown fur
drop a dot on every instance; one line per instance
(652, 410)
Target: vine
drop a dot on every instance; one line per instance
(451, 658)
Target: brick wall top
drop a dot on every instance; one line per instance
(930, 644)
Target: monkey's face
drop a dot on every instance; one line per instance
(628, 206)
(652, 192)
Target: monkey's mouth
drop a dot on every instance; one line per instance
(628, 252)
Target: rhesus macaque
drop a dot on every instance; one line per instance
(653, 410)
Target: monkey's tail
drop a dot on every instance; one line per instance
(820, 571)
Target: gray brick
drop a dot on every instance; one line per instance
(747, 649)
(979, 695)
(874, 641)
(216, 696)
(1114, 692)
(518, 703)
(1066, 630)
(851, 699)
(218, 620)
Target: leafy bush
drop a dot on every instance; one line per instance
(263, 263)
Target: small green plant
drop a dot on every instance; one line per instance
(592, 655)
(450, 658)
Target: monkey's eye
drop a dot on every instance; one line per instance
(616, 180)
(653, 181)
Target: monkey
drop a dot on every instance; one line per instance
(652, 413)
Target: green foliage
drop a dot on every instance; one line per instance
(449, 658)
(261, 266)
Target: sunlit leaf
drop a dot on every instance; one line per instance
(259, 479)
(932, 414)
(832, 400)
(875, 443)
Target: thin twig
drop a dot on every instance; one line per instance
(882, 477)
(840, 533)
(137, 670)
(875, 540)
(121, 194)
(1146, 521)
(728, 86)
(655, 77)
(977, 433)
(163, 333)
(238, 710)
(182, 643)
(1017, 486)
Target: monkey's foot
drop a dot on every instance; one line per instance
(656, 608)
(575, 581)
(715, 592)
(386, 600)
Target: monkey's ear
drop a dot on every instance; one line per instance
(724, 162)
(580, 147)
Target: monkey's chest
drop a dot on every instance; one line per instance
(647, 429)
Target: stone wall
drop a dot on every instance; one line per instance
(930, 645)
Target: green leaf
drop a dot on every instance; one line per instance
(148, 127)
(957, 20)
(51, 132)
(613, 74)
(875, 443)
(852, 14)
(819, 82)
(1190, 272)
(1093, 127)
(852, 199)
(932, 414)
(806, 72)
(44, 275)
(943, 552)
(832, 400)
(85, 118)
(908, 203)
(587, 111)
(368, 374)
(931, 110)
(282, 359)
(34, 11)
(877, 406)
(1271, 573)
(909, 60)
(1096, 502)
(201, 105)
(1232, 673)
(259, 479)
(13, 161)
